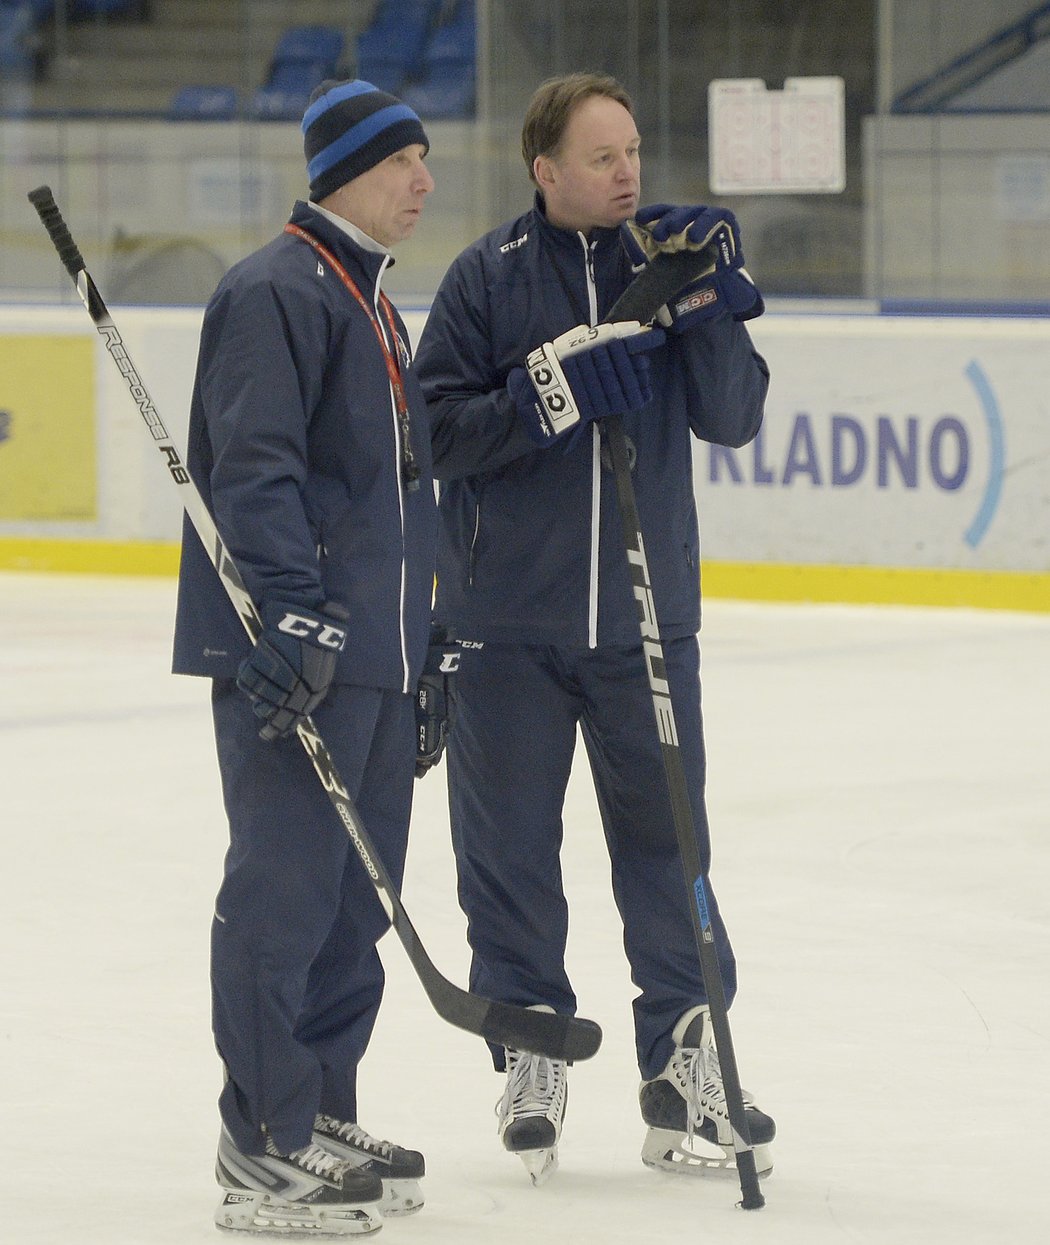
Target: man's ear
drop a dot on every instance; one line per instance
(543, 171)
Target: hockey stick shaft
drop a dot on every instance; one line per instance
(543, 1033)
(660, 281)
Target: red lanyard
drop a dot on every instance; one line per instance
(409, 469)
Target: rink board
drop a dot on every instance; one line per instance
(901, 458)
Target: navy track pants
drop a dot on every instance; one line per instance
(296, 977)
(510, 753)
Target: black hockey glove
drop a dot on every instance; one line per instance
(725, 287)
(585, 374)
(288, 672)
(433, 707)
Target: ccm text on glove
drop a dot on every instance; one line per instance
(588, 373)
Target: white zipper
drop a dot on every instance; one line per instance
(400, 494)
(596, 467)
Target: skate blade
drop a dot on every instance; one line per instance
(540, 1164)
(249, 1211)
(400, 1197)
(666, 1149)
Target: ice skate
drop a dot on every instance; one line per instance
(400, 1170)
(531, 1111)
(310, 1192)
(685, 1109)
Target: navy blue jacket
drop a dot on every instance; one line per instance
(531, 546)
(294, 445)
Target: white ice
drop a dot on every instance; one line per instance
(880, 802)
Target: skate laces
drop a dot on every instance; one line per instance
(355, 1134)
(535, 1086)
(319, 1161)
(699, 1077)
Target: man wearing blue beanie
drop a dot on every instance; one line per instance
(309, 443)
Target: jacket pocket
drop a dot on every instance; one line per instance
(327, 505)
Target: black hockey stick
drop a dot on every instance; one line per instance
(655, 285)
(543, 1033)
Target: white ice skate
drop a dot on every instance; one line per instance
(399, 1169)
(307, 1193)
(685, 1108)
(531, 1111)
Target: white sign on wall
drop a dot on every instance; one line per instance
(1022, 187)
(890, 441)
(777, 142)
(220, 191)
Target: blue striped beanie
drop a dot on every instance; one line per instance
(348, 128)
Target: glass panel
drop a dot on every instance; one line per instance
(169, 130)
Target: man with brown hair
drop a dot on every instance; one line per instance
(533, 578)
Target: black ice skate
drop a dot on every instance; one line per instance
(308, 1193)
(531, 1111)
(400, 1170)
(685, 1109)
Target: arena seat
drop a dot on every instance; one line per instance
(303, 57)
(390, 51)
(445, 90)
(203, 103)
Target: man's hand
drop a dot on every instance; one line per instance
(433, 707)
(585, 374)
(288, 672)
(725, 287)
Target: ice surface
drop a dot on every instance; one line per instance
(880, 802)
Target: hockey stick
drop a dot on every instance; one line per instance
(543, 1033)
(655, 285)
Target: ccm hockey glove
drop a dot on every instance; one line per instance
(587, 373)
(288, 672)
(433, 705)
(724, 287)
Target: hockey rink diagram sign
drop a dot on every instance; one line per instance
(777, 142)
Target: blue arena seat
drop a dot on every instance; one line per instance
(322, 44)
(284, 99)
(446, 87)
(390, 51)
(203, 103)
(303, 57)
(272, 104)
(298, 76)
(83, 10)
(37, 11)
(18, 46)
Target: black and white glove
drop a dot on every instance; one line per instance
(586, 373)
(725, 286)
(288, 672)
(433, 706)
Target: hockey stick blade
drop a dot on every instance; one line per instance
(573, 1036)
(542, 1033)
(658, 282)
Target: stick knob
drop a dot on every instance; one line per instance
(47, 209)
